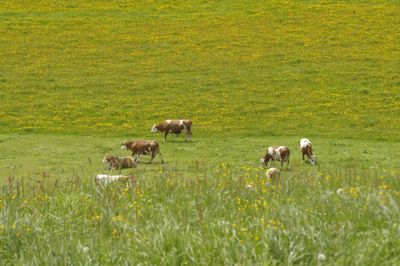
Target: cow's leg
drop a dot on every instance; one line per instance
(165, 135)
(186, 132)
(152, 157)
(188, 136)
(114, 165)
(162, 159)
(137, 156)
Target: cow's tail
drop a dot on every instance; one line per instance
(157, 151)
(156, 146)
(189, 127)
(189, 130)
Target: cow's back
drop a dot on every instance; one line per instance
(136, 146)
(145, 146)
(177, 124)
(272, 150)
(284, 152)
(127, 162)
(304, 143)
(173, 126)
(279, 152)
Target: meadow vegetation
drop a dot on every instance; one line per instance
(261, 66)
(76, 79)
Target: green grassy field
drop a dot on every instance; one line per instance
(77, 79)
(262, 67)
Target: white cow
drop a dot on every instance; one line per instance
(106, 179)
(306, 149)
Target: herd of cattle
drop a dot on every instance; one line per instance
(152, 148)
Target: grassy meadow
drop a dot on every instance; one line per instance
(76, 79)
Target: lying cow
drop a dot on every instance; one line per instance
(276, 153)
(174, 126)
(142, 147)
(306, 149)
(115, 162)
(106, 179)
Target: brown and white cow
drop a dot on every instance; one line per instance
(143, 147)
(306, 149)
(174, 126)
(276, 153)
(115, 162)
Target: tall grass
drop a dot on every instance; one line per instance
(213, 217)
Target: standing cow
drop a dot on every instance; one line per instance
(276, 153)
(306, 149)
(174, 126)
(143, 147)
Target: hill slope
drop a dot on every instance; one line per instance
(261, 67)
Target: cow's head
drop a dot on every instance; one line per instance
(154, 129)
(123, 145)
(108, 158)
(313, 160)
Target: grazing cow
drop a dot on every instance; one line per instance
(106, 179)
(115, 162)
(174, 126)
(306, 149)
(273, 172)
(276, 153)
(142, 147)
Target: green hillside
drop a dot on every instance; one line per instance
(243, 68)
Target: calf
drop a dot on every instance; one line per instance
(273, 172)
(174, 126)
(142, 147)
(276, 153)
(115, 162)
(306, 149)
